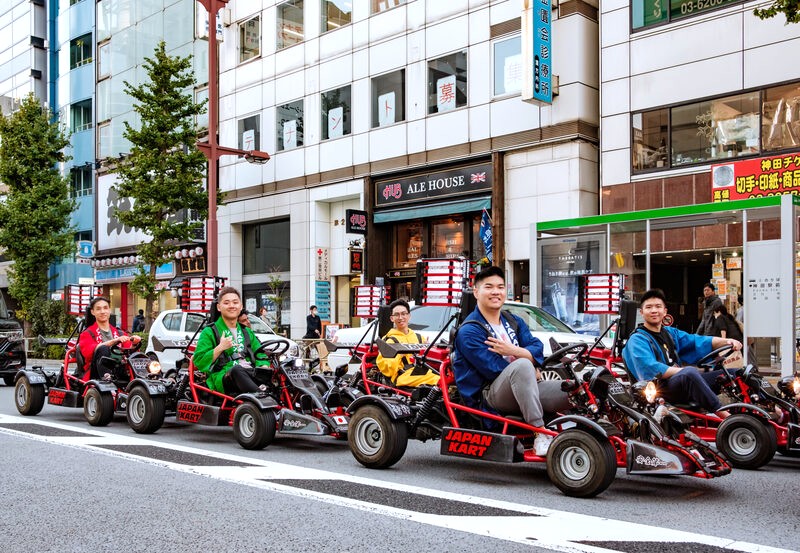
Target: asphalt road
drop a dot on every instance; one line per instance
(92, 490)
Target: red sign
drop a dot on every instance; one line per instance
(755, 178)
(356, 261)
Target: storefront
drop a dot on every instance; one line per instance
(746, 247)
(436, 214)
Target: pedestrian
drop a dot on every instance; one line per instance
(262, 313)
(710, 302)
(725, 326)
(138, 322)
(313, 325)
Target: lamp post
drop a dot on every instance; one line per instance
(211, 148)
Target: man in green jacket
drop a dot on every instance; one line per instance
(224, 354)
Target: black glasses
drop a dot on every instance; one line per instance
(400, 314)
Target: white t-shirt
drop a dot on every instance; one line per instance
(501, 334)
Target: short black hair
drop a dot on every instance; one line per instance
(312, 307)
(401, 303)
(656, 293)
(141, 312)
(710, 285)
(490, 271)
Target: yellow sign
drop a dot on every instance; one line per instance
(717, 271)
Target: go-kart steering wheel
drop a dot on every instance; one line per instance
(580, 348)
(119, 349)
(710, 360)
(271, 348)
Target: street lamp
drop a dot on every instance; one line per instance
(211, 148)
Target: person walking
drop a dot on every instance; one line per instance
(313, 325)
(710, 302)
(138, 322)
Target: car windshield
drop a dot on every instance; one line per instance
(427, 317)
(537, 319)
(259, 326)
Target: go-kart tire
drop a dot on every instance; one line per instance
(376, 441)
(321, 384)
(8, 379)
(29, 398)
(98, 407)
(145, 412)
(253, 427)
(581, 465)
(746, 441)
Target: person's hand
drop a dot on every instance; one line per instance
(226, 342)
(737, 345)
(500, 347)
(135, 339)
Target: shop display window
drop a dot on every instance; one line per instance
(447, 238)
(408, 244)
(650, 139)
(780, 121)
(478, 249)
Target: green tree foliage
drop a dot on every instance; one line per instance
(163, 175)
(789, 8)
(35, 215)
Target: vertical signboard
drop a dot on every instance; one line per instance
(323, 264)
(763, 290)
(322, 299)
(537, 49)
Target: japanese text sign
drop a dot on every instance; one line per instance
(755, 178)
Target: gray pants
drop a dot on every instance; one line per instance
(516, 392)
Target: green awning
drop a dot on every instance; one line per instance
(448, 208)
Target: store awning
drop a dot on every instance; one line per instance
(418, 212)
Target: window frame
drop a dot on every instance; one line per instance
(85, 125)
(247, 255)
(374, 11)
(74, 49)
(300, 129)
(494, 43)
(668, 19)
(375, 119)
(346, 115)
(279, 45)
(432, 109)
(241, 37)
(80, 190)
(324, 24)
(241, 128)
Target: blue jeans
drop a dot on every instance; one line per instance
(691, 386)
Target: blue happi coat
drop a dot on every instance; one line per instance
(645, 358)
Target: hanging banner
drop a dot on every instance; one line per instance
(755, 178)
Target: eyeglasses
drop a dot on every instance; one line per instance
(401, 314)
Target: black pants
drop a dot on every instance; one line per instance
(239, 380)
(103, 362)
(692, 386)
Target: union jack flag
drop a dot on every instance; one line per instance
(477, 177)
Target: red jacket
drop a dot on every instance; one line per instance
(90, 338)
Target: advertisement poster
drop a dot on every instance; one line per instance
(563, 263)
(755, 178)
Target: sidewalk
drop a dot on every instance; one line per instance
(47, 364)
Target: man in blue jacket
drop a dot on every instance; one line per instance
(495, 358)
(654, 350)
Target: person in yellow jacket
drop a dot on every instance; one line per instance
(400, 369)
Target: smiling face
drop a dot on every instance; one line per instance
(653, 311)
(400, 318)
(230, 305)
(491, 294)
(102, 312)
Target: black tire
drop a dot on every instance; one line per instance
(145, 412)
(321, 384)
(98, 407)
(29, 398)
(376, 441)
(581, 465)
(8, 379)
(746, 441)
(253, 427)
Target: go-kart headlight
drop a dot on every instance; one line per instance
(154, 367)
(796, 386)
(650, 392)
(293, 351)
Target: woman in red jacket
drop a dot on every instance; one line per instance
(96, 341)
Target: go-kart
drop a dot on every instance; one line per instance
(581, 461)
(291, 402)
(72, 387)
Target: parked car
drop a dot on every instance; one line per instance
(174, 324)
(429, 319)
(12, 346)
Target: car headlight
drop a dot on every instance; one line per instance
(650, 392)
(154, 367)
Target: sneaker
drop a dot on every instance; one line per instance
(541, 444)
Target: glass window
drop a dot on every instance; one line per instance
(266, 247)
(653, 12)
(780, 121)
(508, 66)
(685, 8)
(383, 5)
(104, 60)
(650, 134)
(104, 141)
(290, 23)
(408, 244)
(80, 181)
(250, 39)
(447, 82)
(80, 51)
(81, 116)
(336, 113)
(249, 133)
(427, 317)
(289, 121)
(717, 129)
(172, 321)
(447, 238)
(388, 99)
(335, 14)
(194, 321)
(478, 249)
(200, 96)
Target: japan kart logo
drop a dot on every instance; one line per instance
(648, 461)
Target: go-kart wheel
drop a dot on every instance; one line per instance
(145, 412)
(98, 407)
(8, 380)
(253, 427)
(581, 465)
(746, 441)
(376, 441)
(551, 375)
(29, 398)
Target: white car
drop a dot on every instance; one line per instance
(429, 319)
(174, 324)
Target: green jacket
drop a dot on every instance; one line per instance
(204, 353)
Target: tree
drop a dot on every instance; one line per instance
(163, 174)
(275, 289)
(789, 8)
(35, 216)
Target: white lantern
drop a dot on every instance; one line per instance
(184, 253)
(198, 250)
(178, 254)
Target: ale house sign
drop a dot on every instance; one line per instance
(460, 181)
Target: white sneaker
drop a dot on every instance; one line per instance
(541, 444)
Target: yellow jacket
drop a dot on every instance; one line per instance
(399, 368)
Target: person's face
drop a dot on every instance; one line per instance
(314, 312)
(491, 293)
(707, 291)
(230, 305)
(101, 311)
(401, 318)
(243, 320)
(653, 311)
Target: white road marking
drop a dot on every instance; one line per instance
(547, 528)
